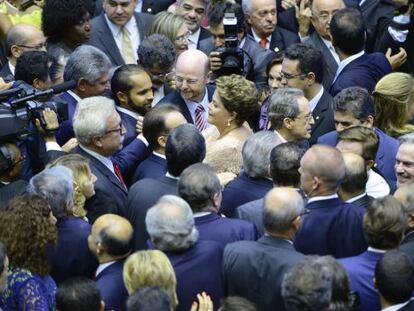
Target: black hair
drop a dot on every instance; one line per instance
(31, 65)
(78, 293)
(114, 246)
(149, 299)
(216, 14)
(156, 50)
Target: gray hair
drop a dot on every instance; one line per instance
(247, 6)
(197, 185)
(16, 36)
(283, 104)
(55, 185)
(87, 62)
(179, 2)
(256, 153)
(90, 118)
(406, 139)
(170, 224)
(307, 286)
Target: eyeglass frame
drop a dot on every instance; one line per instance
(35, 47)
(183, 37)
(288, 76)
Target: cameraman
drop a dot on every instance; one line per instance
(255, 58)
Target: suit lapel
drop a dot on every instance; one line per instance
(108, 41)
(276, 42)
(141, 27)
(318, 112)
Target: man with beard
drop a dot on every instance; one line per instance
(132, 91)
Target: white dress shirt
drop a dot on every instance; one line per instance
(193, 39)
(315, 100)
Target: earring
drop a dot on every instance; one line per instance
(228, 123)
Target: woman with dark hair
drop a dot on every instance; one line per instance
(66, 24)
(29, 286)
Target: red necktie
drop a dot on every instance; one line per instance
(118, 174)
(263, 43)
(200, 118)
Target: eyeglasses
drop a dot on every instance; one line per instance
(183, 38)
(307, 117)
(40, 46)
(288, 76)
(120, 130)
(181, 80)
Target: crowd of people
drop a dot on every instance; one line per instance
(197, 155)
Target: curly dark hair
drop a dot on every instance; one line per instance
(26, 231)
(59, 16)
(238, 95)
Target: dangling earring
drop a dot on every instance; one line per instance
(228, 123)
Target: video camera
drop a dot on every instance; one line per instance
(231, 55)
(23, 104)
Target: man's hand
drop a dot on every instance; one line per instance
(396, 60)
(5, 85)
(70, 145)
(204, 303)
(215, 61)
(140, 124)
(51, 122)
(303, 16)
(286, 4)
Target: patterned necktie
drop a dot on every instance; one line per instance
(118, 174)
(128, 51)
(263, 43)
(200, 119)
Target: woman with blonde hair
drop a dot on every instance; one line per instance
(150, 268)
(83, 180)
(173, 27)
(394, 104)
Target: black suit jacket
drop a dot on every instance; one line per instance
(255, 270)
(101, 36)
(175, 98)
(5, 73)
(11, 190)
(407, 245)
(282, 39)
(364, 202)
(408, 307)
(323, 116)
(143, 195)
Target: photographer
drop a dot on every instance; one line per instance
(244, 48)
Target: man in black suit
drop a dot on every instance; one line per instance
(131, 87)
(99, 130)
(302, 68)
(255, 58)
(394, 279)
(255, 270)
(158, 124)
(352, 188)
(261, 15)
(21, 38)
(185, 146)
(192, 95)
(110, 241)
(119, 30)
(193, 12)
(284, 163)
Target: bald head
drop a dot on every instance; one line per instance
(193, 60)
(24, 37)
(281, 207)
(355, 174)
(114, 233)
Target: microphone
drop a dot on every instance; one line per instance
(63, 87)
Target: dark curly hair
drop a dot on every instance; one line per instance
(238, 95)
(26, 231)
(59, 16)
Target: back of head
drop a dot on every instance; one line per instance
(150, 268)
(198, 185)
(355, 100)
(384, 223)
(32, 65)
(87, 62)
(348, 31)
(152, 298)
(55, 185)
(170, 224)
(356, 175)
(156, 50)
(256, 153)
(405, 195)
(283, 104)
(281, 207)
(185, 146)
(18, 35)
(167, 24)
(394, 277)
(307, 287)
(79, 294)
(309, 59)
(365, 136)
(284, 164)
(236, 303)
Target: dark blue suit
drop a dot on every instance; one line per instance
(198, 269)
(365, 71)
(152, 167)
(332, 228)
(175, 98)
(111, 285)
(130, 125)
(241, 190)
(71, 256)
(223, 230)
(65, 131)
(385, 158)
(361, 272)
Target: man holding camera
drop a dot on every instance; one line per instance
(231, 49)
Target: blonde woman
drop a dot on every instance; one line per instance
(394, 104)
(150, 268)
(83, 180)
(173, 27)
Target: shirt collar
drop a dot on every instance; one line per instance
(331, 49)
(323, 198)
(116, 30)
(128, 112)
(376, 250)
(257, 38)
(194, 37)
(104, 160)
(159, 155)
(346, 62)
(11, 67)
(353, 199)
(201, 214)
(103, 266)
(315, 100)
(280, 136)
(74, 95)
(171, 176)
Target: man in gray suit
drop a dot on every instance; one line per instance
(119, 30)
(255, 270)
